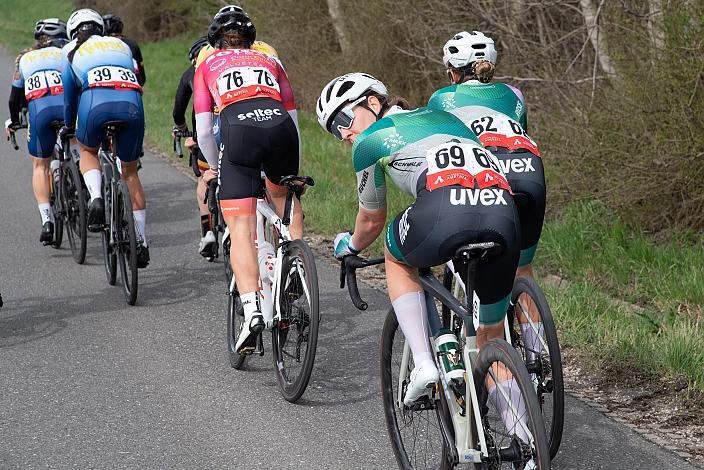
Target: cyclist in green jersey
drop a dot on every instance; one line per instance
(497, 113)
(461, 196)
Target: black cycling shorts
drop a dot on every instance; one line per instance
(256, 135)
(431, 229)
(525, 174)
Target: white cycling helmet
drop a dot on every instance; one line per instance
(342, 90)
(81, 17)
(467, 47)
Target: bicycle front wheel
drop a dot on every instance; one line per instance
(512, 423)
(417, 433)
(540, 350)
(295, 336)
(235, 318)
(75, 212)
(126, 243)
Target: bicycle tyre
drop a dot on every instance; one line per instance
(292, 388)
(554, 428)
(499, 351)
(126, 243)
(75, 210)
(109, 255)
(57, 209)
(235, 317)
(389, 392)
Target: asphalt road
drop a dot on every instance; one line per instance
(89, 382)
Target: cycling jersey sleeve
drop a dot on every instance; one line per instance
(524, 118)
(16, 100)
(137, 56)
(285, 87)
(71, 92)
(371, 178)
(203, 105)
(183, 96)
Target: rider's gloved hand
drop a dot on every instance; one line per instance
(182, 128)
(67, 132)
(8, 128)
(343, 245)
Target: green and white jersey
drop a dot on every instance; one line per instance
(398, 147)
(495, 112)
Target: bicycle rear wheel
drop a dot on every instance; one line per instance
(417, 433)
(235, 318)
(542, 356)
(512, 422)
(74, 208)
(109, 253)
(295, 336)
(57, 209)
(126, 243)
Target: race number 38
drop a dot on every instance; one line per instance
(112, 76)
(39, 83)
(464, 164)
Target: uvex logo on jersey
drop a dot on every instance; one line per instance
(516, 165)
(473, 197)
(260, 115)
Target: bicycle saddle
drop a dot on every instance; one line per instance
(477, 250)
(296, 182)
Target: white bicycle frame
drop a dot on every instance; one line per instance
(464, 426)
(270, 292)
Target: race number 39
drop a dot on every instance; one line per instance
(113, 77)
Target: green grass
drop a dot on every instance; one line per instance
(19, 16)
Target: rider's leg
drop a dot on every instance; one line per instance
(408, 299)
(40, 185)
(277, 195)
(139, 203)
(90, 168)
(531, 325)
(201, 189)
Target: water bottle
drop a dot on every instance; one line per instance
(448, 351)
(266, 256)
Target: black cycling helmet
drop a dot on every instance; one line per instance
(52, 27)
(231, 18)
(198, 44)
(113, 24)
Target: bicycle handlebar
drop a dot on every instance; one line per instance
(348, 268)
(211, 196)
(13, 139)
(177, 140)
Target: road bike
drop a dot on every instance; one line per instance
(460, 421)
(118, 233)
(541, 353)
(289, 296)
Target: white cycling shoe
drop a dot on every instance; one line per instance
(251, 327)
(206, 247)
(423, 379)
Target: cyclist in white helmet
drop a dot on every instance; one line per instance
(497, 113)
(413, 149)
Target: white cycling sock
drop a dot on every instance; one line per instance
(140, 224)
(250, 304)
(413, 320)
(511, 419)
(531, 333)
(45, 212)
(94, 181)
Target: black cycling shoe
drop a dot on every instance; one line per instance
(142, 256)
(96, 215)
(47, 236)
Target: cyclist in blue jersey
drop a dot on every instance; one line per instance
(37, 81)
(100, 85)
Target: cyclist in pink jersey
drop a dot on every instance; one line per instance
(258, 131)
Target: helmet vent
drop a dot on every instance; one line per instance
(344, 88)
(453, 50)
(478, 46)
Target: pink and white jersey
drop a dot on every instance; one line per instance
(233, 75)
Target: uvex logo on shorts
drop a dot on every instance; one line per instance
(517, 165)
(260, 115)
(485, 197)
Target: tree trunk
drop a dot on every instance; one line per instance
(339, 24)
(591, 20)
